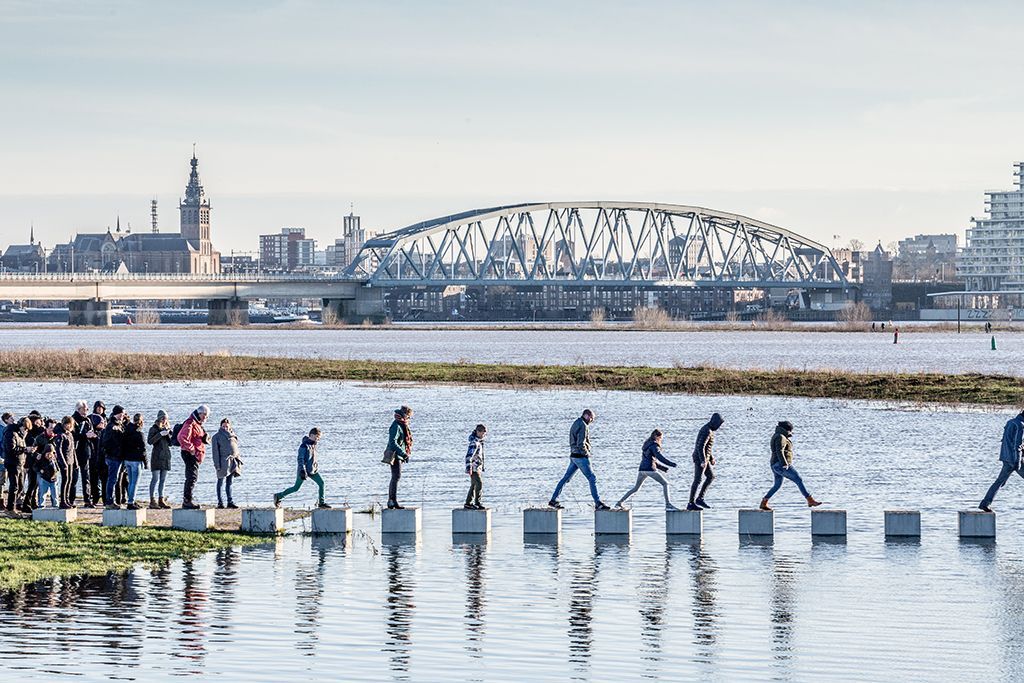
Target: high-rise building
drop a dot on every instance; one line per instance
(353, 236)
(288, 250)
(993, 259)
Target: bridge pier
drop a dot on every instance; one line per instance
(89, 313)
(368, 305)
(225, 312)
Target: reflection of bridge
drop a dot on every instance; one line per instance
(573, 244)
(597, 243)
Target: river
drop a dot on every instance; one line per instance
(581, 610)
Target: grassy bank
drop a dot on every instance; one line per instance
(30, 551)
(930, 388)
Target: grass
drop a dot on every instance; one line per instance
(926, 388)
(30, 551)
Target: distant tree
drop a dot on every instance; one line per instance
(855, 245)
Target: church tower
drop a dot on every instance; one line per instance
(195, 211)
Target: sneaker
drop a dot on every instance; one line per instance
(693, 507)
(479, 506)
(469, 506)
(220, 506)
(323, 506)
(555, 504)
(984, 508)
(133, 506)
(601, 506)
(91, 506)
(700, 502)
(618, 506)
(398, 507)
(231, 506)
(189, 506)
(111, 507)
(277, 501)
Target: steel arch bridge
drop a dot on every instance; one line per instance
(597, 244)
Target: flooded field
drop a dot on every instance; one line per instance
(945, 352)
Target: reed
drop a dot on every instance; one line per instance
(928, 388)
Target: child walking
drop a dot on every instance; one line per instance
(308, 468)
(475, 467)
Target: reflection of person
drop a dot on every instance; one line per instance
(782, 465)
(307, 468)
(397, 452)
(652, 463)
(399, 605)
(475, 467)
(1009, 456)
(703, 462)
(579, 460)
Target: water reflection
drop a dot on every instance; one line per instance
(399, 604)
(222, 591)
(706, 615)
(783, 610)
(475, 555)
(192, 620)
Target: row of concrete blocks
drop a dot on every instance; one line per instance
(905, 523)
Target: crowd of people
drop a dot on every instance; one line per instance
(96, 459)
(49, 460)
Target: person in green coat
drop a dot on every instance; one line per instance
(307, 468)
(398, 450)
(159, 438)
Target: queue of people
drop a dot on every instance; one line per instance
(101, 456)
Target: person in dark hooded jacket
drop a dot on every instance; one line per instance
(307, 468)
(782, 465)
(652, 463)
(703, 463)
(16, 453)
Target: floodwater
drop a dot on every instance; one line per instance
(449, 609)
(945, 352)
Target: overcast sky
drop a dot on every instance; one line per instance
(859, 119)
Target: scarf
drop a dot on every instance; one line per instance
(406, 432)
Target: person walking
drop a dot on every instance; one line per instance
(67, 462)
(16, 452)
(133, 457)
(397, 452)
(703, 463)
(579, 460)
(46, 474)
(227, 461)
(782, 465)
(1010, 451)
(652, 463)
(475, 467)
(160, 460)
(308, 467)
(193, 439)
(111, 446)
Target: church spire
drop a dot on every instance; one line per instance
(31, 233)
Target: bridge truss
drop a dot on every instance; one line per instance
(597, 243)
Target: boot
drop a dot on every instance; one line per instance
(764, 505)
(153, 505)
(164, 504)
(811, 503)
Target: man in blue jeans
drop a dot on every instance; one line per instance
(579, 459)
(1009, 455)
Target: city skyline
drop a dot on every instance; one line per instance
(872, 123)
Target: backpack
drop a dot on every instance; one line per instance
(174, 434)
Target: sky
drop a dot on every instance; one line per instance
(839, 120)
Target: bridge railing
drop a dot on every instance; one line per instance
(163, 277)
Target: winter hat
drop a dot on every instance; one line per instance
(161, 415)
(118, 410)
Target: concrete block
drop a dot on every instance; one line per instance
(405, 521)
(688, 522)
(977, 524)
(902, 523)
(828, 522)
(124, 517)
(263, 520)
(54, 515)
(193, 520)
(471, 521)
(757, 523)
(613, 522)
(332, 521)
(542, 521)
